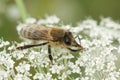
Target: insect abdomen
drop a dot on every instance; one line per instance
(28, 32)
(34, 32)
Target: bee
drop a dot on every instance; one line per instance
(53, 36)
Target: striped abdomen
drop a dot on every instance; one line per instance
(35, 32)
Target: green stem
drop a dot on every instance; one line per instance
(22, 9)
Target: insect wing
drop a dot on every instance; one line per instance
(36, 32)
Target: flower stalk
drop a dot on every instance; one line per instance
(22, 9)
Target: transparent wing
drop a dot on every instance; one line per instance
(36, 32)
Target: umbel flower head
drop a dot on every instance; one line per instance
(99, 60)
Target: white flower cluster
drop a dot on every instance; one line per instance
(99, 60)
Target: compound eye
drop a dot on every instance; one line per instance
(67, 39)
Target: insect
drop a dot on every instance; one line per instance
(52, 35)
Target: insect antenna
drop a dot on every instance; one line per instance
(77, 36)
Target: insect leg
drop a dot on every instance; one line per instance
(49, 52)
(29, 46)
(73, 50)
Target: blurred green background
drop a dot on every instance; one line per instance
(69, 11)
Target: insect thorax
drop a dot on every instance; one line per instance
(57, 34)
